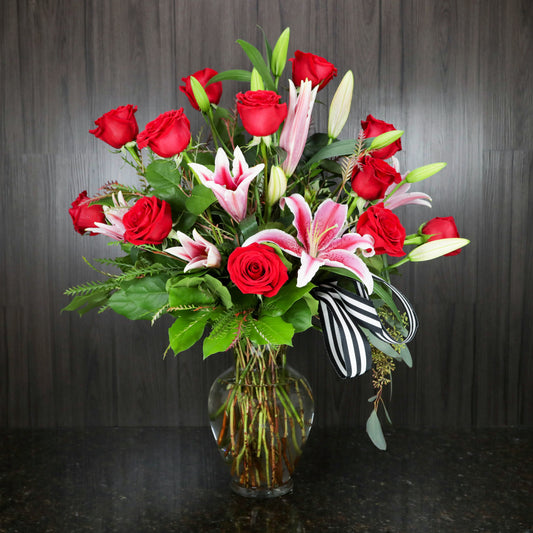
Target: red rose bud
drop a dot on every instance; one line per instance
(371, 179)
(117, 127)
(149, 221)
(257, 269)
(167, 135)
(385, 227)
(84, 215)
(312, 67)
(372, 127)
(260, 111)
(441, 228)
(213, 90)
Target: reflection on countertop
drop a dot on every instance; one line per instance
(172, 479)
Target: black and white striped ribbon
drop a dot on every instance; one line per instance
(343, 314)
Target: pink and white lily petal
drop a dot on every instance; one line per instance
(402, 197)
(276, 236)
(115, 229)
(229, 188)
(320, 241)
(198, 252)
(296, 127)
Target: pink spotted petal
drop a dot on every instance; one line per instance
(352, 242)
(309, 267)
(328, 224)
(285, 241)
(302, 217)
(349, 261)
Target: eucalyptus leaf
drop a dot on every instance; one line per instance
(373, 428)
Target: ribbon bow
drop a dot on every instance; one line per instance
(343, 314)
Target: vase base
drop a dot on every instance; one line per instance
(261, 492)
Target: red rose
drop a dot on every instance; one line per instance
(385, 227)
(118, 126)
(372, 127)
(260, 112)
(257, 269)
(314, 68)
(441, 228)
(371, 179)
(213, 91)
(167, 135)
(84, 215)
(149, 221)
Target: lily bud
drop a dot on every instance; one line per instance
(340, 106)
(277, 185)
(279, 54)
(256, 82)
(422, 173)
(385, 139)
(200, 95)
(434, 249)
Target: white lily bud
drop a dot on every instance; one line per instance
(433, 249)
(277, 185)
(339, 110)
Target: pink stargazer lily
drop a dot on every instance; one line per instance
(296, 128)
(230, 188)
(115, 229)
(320, 240)
(198, 252)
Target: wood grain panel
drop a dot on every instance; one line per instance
(455, 75)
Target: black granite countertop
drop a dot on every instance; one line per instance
(172, 479)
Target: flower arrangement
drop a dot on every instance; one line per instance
(259, 231)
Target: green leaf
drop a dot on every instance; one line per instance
(385, 295)
(373, 428)
(335, 149)
(259, 63)
(300, 316)
(188, 291)
(219, 289)
(235, 74)
(270, 330)
(165, 178)
(279, 54)
(200, 199)
(222, 335)
(284, 299)
(86, 302)
(140, 299)
(248, 226)
(187, 329)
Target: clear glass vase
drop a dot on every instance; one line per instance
(261, 412)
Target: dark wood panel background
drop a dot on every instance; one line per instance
(456, 75)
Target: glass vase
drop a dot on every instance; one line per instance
(261, 412)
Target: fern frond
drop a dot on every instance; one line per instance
(159, 313)
(91, 287)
